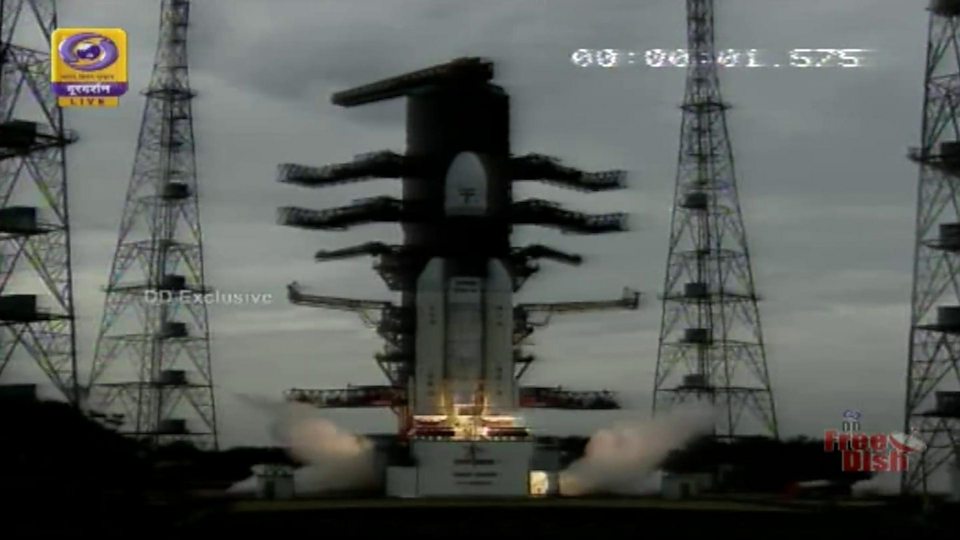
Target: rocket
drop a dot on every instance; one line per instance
(464, 316)
(452, 342)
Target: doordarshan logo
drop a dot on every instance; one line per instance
(88, 51)
(871, 452)
(89, 66)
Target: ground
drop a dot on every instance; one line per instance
(729, 517)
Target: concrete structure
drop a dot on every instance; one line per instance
(473, 467)
(476, 468)
(676, 486)
(274, 481)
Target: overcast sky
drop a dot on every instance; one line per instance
(827, 194)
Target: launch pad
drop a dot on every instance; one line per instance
(446, 468)
(454, 349)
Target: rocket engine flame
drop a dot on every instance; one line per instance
(620, 458)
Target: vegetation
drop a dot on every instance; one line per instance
(761, 464)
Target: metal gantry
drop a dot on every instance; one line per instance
(932, 408)
(34, 214)
(711, 345)
(152, 371)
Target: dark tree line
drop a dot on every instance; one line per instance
(763, 464)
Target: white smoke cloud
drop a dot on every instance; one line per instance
(880, 484)
(622, 458)
(314, 439)
(334, 458)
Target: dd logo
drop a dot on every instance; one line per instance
(851, 421)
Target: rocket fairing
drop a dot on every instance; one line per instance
(466, 186)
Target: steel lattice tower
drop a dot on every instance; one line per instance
(34, 216)
(711, 344)
(933, 373)
(159, 254)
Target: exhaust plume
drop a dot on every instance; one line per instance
(334, 459)
(621, 458)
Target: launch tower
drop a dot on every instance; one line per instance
(453, 344)
(152, 322)
(34, 214)
(933, 372)
(711, 344)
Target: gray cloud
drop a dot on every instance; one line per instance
(827, 193)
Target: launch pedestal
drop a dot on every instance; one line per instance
(446, 468)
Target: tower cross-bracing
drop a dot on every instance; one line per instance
(711, 346)
(36, 286)
(152, 372)
(932, 405)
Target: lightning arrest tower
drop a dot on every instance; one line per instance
(711, 345)
(152, 370)
(34, 214)
(453, 354)
(932, 408)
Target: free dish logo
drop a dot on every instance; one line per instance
(871, 452)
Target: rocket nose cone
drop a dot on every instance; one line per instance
(466, 185)
(467, 168)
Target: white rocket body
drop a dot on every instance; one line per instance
(464, 337)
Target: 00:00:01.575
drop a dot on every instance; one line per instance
(801, 58)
